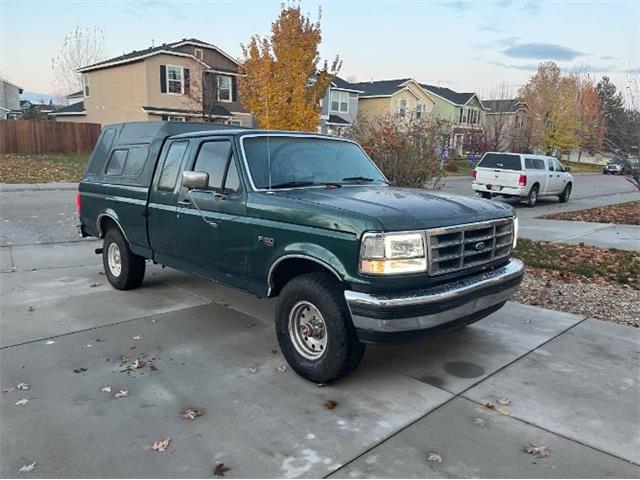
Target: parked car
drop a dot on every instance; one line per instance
(306, 218)
(523, 176)
(615, 166)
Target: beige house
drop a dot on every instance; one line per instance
(182, 81)
(506, 125)
(402, 97)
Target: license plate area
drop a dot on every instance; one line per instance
(494, 188)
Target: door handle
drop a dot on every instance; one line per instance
(184, 203)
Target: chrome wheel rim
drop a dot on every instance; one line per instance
(534, 197)
(114, 260)
(307, 330)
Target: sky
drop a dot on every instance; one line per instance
(461, 44)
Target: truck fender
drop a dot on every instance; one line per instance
(311, 252)
(109, 212)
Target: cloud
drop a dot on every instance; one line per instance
(144, 9)
(542, 51)
(459, 5)
(530, 67)
(607, 57)
(532, 6)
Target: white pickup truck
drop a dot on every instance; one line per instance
(521, 175)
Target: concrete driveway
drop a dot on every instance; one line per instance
(567, 383)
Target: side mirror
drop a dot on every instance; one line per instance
(567, 169)
(195, 180)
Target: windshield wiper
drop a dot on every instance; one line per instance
(360, 179)
(293, 184)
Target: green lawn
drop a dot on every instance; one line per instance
(41, 168)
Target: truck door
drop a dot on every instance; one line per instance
(162, 208)
(211, 223)
(555, 177)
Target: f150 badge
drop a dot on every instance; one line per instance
(266, 241)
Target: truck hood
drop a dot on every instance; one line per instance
(402, 208)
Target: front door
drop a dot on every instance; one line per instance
(556, 184)
(162, 211)
(211, 223)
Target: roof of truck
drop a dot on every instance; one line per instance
(252, 131)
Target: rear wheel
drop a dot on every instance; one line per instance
(566, 193)
(123, 268)
(532, 198)
(314, 328)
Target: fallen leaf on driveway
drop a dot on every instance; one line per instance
(27, 468)
(191, 413)
(88, 345)
(137, 337)
(252, 370)
(219, 469)
(79, 370)
(22, 402)
(330, 404)
(503, 409)
(106, 388)
(49, 342)
(7, 390)
(434, 457)
(479, 421)
(31, 309)
(94, 285)
(137, 363)
(122, 394)
(282, 368)
(274, 351)
(161, 445)
(538, 450)
(23, 386)
(504, 401)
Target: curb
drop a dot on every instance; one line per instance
(37, 187)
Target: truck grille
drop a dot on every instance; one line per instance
(455, 248)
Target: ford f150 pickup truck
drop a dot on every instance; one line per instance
(307, 218)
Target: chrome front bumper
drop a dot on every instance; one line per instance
(464, 300)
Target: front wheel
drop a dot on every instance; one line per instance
(123, 268)
(566, 193)
(314, 328)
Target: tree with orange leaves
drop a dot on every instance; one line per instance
(591, 128)
(281, 83)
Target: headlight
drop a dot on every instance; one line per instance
(515, 231)
(392, 253)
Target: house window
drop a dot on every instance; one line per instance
(85, 84)
(175, 80)
(198, 53)
(235, 123)
(419, 110)
(339, 101)
(224, 88)
(402, 108)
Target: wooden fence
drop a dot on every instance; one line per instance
(41, 136)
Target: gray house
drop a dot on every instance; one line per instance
(9, 100)
(339, 107)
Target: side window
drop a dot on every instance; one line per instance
(135, 161)
(539, 163)
(116, 162)
(212, 158)
(232, 182)
(171, 167)
(558, 166)
(529, 163)
(551, 167)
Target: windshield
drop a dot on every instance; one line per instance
(305, 161)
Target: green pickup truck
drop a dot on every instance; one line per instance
(306, 218)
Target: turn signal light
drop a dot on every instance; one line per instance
(522, 181)
(474, 174)
(78, 202)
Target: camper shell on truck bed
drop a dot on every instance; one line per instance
(306, 218)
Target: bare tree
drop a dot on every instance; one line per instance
(633, 125)
(84, 46)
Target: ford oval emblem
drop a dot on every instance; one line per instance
(479, 246)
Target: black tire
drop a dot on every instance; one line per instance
(566, 193)
(532, 198)
(486, 195)
(132, 266)
(343, 351)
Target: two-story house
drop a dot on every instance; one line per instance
(404, 98)
(339, 107)
(506, 125)
(9, 100)
(464, 111)
(180, 81)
